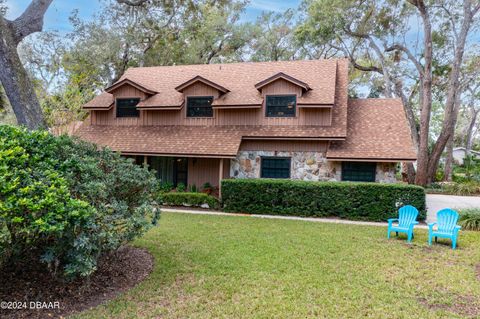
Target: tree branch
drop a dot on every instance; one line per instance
(354, 62)
(30, 21)
(133, 3)
(409, 54)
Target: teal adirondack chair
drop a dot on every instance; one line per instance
(407, 216)
(446, 226)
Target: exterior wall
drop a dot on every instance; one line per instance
(290, 146)
(316, 116)
(386, 173)
(310, 166)
(203, 170)
(306, 165)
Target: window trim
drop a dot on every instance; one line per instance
(281, 95)
(374, 171)
(199, 117)
(262, 158)
(127, 98)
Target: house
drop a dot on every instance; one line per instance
(195, 124)
(459, 154)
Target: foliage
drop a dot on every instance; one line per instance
(273, 38)
(165, 187)
(192, 188)
(357, 201)
(463, 188)
(181, 187)
(188, 199)
(66, 202)
(470, 219)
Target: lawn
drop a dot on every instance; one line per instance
(242, 267)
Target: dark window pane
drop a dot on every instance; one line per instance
(358, 171)
(281, 106)
(200, 106)
(127, 108)
(275, 167)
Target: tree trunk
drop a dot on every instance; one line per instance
(448, 161)
(14, 78)
(421, 176)
(451, 107)
(471, 125)
(17, 84)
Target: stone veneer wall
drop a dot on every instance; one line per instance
(308, 166)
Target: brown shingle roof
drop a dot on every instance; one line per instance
(239, 78)
(103, 101)
(184, 140)
(377, 130)
(284, 76)
(142, 87)
(222, 141)
(198, 78)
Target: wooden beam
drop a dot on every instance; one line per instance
(220, 177)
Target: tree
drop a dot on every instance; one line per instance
(372, 34)
(273, 39)
(427, 165)
(467, 96)
(15, 80)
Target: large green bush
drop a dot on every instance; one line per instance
(67, 202)
(188, 199)
(356, 201)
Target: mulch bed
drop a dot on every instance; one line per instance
(31, 282)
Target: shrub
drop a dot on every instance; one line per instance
(66, 202)
(463, 188)
(470, 219)
(165, 187)
(189, 199)
(181, 187)
(357, 201)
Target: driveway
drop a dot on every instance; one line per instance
(436, 202)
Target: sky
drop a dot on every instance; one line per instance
(57, 15)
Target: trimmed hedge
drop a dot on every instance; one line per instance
(356, 201)
(188, 199)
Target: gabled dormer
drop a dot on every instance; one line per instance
(280, 93)
(199, 94)
(286, 78)
(127, 94)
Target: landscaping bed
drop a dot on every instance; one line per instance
(29, 282)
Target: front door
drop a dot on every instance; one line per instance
(180, 171)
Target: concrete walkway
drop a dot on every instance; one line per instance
(435, 202)
(305, 219)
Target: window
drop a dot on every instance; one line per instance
(358, 172)
(127, 108)
(199, 106)
(275, 167)
(281, 106)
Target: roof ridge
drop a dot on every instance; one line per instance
(330, 60)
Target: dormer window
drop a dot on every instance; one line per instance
(128, 107)
(199, 106)
(280, 105)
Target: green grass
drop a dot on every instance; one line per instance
(243, 267)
